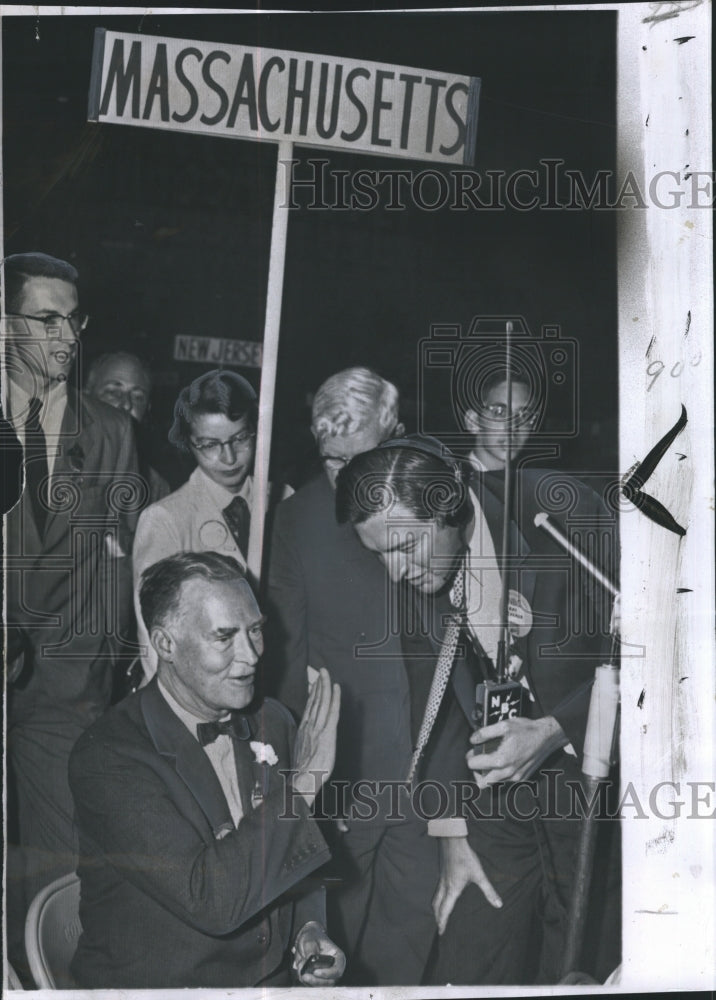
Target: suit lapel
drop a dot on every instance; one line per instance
(521, 578)
(76, 437)
(180, 749)
(247, 770)
(76, 441)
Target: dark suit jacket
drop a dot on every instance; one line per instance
(331, 605)
(58, 597)
(569, 635)
(169, 898)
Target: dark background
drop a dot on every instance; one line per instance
(170, 232)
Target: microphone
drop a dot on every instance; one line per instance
(542, 520)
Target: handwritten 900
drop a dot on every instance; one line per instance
(657, 367)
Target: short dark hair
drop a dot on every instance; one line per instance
(99, 363)
(20, 267)
(215, 392)
(161, 583)
(498, 377)
(415, 472)
(480, 370)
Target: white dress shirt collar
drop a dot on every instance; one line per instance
(218, 493)
(51, 416)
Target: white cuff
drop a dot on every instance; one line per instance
(449, 827)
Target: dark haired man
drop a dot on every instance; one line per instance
(64, 536)
(506, 876)
(329, 608)
(488, 419)
(194, 807)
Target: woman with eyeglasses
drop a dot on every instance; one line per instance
(215, 421)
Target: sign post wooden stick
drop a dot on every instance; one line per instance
(272, 324)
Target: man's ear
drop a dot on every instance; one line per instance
(399, 431)
(472, 421)
(163, 643)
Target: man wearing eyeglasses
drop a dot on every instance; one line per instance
(330, 604)
(490, 417)
(63, 537)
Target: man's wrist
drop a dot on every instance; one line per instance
(304, 784)
(554, 736)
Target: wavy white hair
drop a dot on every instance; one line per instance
(351, 399)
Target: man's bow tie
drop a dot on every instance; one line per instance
(236, 726)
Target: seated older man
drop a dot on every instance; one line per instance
(194, 806)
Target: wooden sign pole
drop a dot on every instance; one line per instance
(272, 324)
(666, 362)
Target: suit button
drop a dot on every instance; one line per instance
(261, 938)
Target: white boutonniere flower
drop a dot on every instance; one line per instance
(263, 752)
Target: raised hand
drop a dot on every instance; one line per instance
(315, 747)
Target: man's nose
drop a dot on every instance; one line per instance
(126, 402)
(244, 649)
(66, 332)
(397, 566)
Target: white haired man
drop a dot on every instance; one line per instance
(329, 600)
(195, 840)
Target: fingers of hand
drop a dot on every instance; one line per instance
(489, 732)
(486, 886)
(320, 977)
(438, 900)
(323, 701)
(309, 711)
(335, 707)
(323, 946)
(447, 904)
(486, 761)
(480, 879)
(493, 776)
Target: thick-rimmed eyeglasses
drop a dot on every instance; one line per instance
(212, 448)
(499, 413)
(53, 322)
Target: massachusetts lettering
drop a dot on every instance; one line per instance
(271, 94)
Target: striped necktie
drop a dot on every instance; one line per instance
(238, 519)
